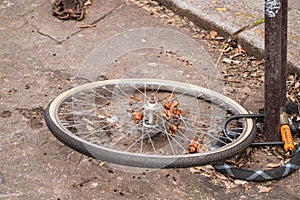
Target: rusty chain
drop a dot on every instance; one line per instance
(68, 9)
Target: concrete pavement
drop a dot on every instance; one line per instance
(229, 16)
(40, 57)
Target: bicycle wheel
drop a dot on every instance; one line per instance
(148, 123)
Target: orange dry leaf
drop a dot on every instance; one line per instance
(167, 105)
(213, 34)
(173, 129)
(260, 62)
(168, 114)
(195, 146)
(177, 112)
(137, 116)
(174, 105)
(134, 98)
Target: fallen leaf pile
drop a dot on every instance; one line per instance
(220, 179)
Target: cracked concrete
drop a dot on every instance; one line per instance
(61, 32)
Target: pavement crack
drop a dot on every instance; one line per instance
(95, 21)
(43, 34)
(81, 29)
(50, 37)
(107, 14)
(1, 178)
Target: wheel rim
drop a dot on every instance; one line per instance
(129, 119)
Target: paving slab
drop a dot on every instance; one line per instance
(227, 17)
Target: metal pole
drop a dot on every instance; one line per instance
(275, 65)
(284, 37)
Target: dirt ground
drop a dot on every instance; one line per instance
(40, 57)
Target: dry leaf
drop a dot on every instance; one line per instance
(260, 62)
(196, 169)
(222, 9)
(221, 176)
(263, 189)
(240, 49)
(87, 3)
(273, 165)
(227, 60)
(297, 85)
(244, 184)
(209, 167)
(240, 182)
(206, 175)
(213, 34)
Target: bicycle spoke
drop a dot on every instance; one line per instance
(106, 116)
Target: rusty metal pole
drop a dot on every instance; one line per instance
(275, 65)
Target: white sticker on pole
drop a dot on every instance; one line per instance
(272, 7)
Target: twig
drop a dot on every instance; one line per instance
(250, 26)
(81, 156)
(218, 61)
(87, 26)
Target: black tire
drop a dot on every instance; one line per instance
(261, 175)
(108, 154)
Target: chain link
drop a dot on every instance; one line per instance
(68, 9)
